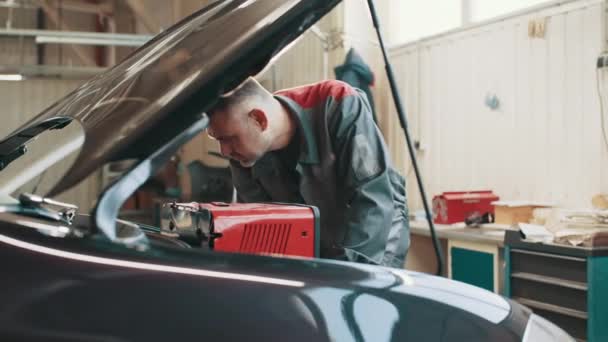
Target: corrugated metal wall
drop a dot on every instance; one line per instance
(542, 143)
(13, 50)
(22, 50)
(21, 101)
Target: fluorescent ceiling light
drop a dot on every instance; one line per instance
(76, 37)
(88, 41)
(11, 77)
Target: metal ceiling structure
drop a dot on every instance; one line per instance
(53, 12)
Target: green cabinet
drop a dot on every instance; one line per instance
(473, 267)
(567, 285)
(475, 263)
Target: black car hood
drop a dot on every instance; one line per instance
(137, 106)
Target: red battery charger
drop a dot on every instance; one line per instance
(252, 228)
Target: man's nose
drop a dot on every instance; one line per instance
(225, 150)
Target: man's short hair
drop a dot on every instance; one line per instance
(247, 90)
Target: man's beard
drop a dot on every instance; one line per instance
(247, 163)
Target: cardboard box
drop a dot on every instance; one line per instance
(512, 212)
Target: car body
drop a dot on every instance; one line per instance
(72, 276)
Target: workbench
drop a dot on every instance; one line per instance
(567, 285)
(473, 255)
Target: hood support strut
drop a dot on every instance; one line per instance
(111, 200)
(403, 121)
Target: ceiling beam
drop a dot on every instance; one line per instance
(85, 7)
(52, 14)
(142, 14)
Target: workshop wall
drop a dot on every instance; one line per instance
(21, 101)
(14, 51)
(20, 51)
(542, 141)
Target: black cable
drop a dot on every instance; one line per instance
(403, 121)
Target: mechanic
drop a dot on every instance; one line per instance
(317, 145)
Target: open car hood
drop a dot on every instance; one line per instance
(140, 104)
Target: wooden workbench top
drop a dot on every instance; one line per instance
(487, 233)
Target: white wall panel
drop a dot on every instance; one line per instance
(543, 143)
(592, 144)
(556, 118)
(303, 62)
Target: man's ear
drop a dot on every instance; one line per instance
(260, 118)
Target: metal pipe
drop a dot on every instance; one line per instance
(9, 18)
(112, 51)
(14, 4)
(70, 6)
(77, 34)
(40, 24)
(75, 37)
(51, 71)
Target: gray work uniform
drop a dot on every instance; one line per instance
(342, 167)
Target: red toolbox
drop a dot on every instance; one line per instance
(456, 206)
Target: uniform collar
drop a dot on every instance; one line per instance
(309, 154)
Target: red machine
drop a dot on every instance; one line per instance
(457, 206)
(272, 229)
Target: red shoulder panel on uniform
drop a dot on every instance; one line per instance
(309, 96)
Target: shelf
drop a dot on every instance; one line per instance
(550, 307)
(550, 280)
(548, 255)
